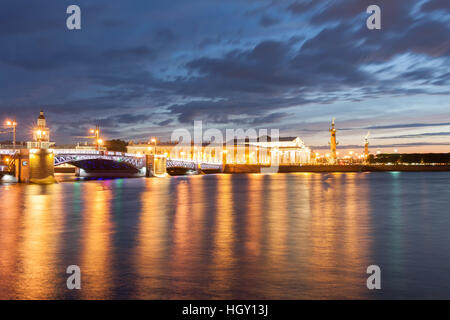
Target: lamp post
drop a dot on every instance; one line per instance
(13, 125)
(96, 133)
(153, 140)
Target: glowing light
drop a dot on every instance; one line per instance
(100, 141)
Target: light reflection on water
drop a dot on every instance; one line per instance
(282, 236)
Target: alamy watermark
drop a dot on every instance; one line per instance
(73, 22)
(374, 280)
(74, 280)
(374, 20)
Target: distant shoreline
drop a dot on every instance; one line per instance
(242, 168)
(253, 168)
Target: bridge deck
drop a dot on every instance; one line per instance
(136, 160)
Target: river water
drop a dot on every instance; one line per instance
(280, 236)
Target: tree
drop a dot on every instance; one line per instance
(116, 145)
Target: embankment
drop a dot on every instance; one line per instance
(251, 168)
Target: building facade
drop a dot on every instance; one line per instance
(266, 151)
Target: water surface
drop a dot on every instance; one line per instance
(281, 236)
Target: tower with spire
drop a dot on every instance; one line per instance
(41, 134)
(333, 143)
(366, 147)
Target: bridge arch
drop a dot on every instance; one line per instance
(96, 162)
(96, 165)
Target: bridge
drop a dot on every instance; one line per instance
(94, 161)
(28, 164)
(37, 162)
(109, 160)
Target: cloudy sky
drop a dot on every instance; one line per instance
(146, 67)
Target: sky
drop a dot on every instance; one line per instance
(144, 68)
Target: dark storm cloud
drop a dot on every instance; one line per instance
(222, 62)
(329, 62)
(419, 74)
(131, 53)
(164, 123)
(209, 42)
(409, 125)
(301, 6)
(126, 118)
(252, 70)
(418, 135)
(395, 14)
(113, 23)
(268, 21)
(436, 5)
(434, 40)
(165, 35)
(23, 17)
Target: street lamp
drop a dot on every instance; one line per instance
(13, 125)
(96, 133)
(153, 140)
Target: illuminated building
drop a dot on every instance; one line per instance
(41, 134)
(285, 150)
(265, 150)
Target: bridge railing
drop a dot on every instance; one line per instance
(214, 166)
(192, 164)
(75, 151)
(96, 152)
(8, 151)
(195, 161)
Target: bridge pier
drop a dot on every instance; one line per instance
(155, 165)
(35, 166)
